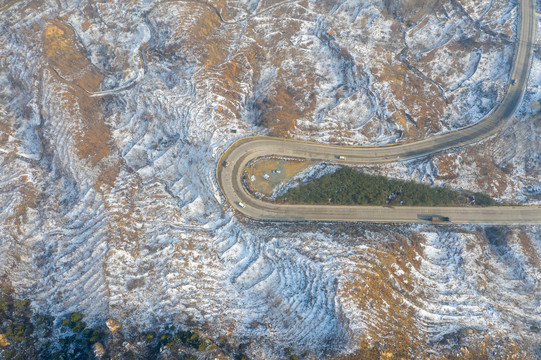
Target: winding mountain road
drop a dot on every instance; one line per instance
(246, 150)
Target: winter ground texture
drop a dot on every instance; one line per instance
(113, 115)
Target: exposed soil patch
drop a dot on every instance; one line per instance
(489, 178)
(415, 110)
(69, 65)
(447, 166)
(67, 58)
(263, 175)
(192, 35)
(378, 289)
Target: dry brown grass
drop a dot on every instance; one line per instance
(278, 112)
(194, 32)
(288, 169)
(65, 55)
(291, 96)
(457, 53)
(69, 61)
(408, 90)
(207, 41)
(528, 248)
(446, 165)
(93, 139)
(28, 199)
(228, 77)
(490, 178)
(378, 293)
(388, 303)
(287, 102)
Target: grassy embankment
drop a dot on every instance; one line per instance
(348, 186)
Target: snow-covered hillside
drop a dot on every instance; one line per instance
(113, 115)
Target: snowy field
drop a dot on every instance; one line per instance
(109, 203)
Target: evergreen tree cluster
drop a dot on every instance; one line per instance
(16, 327)
(27, 335)
(348, 186)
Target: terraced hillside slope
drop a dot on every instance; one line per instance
(113, 116)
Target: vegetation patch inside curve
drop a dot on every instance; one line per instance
(348, 186)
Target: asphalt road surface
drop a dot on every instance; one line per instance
(247, 149)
